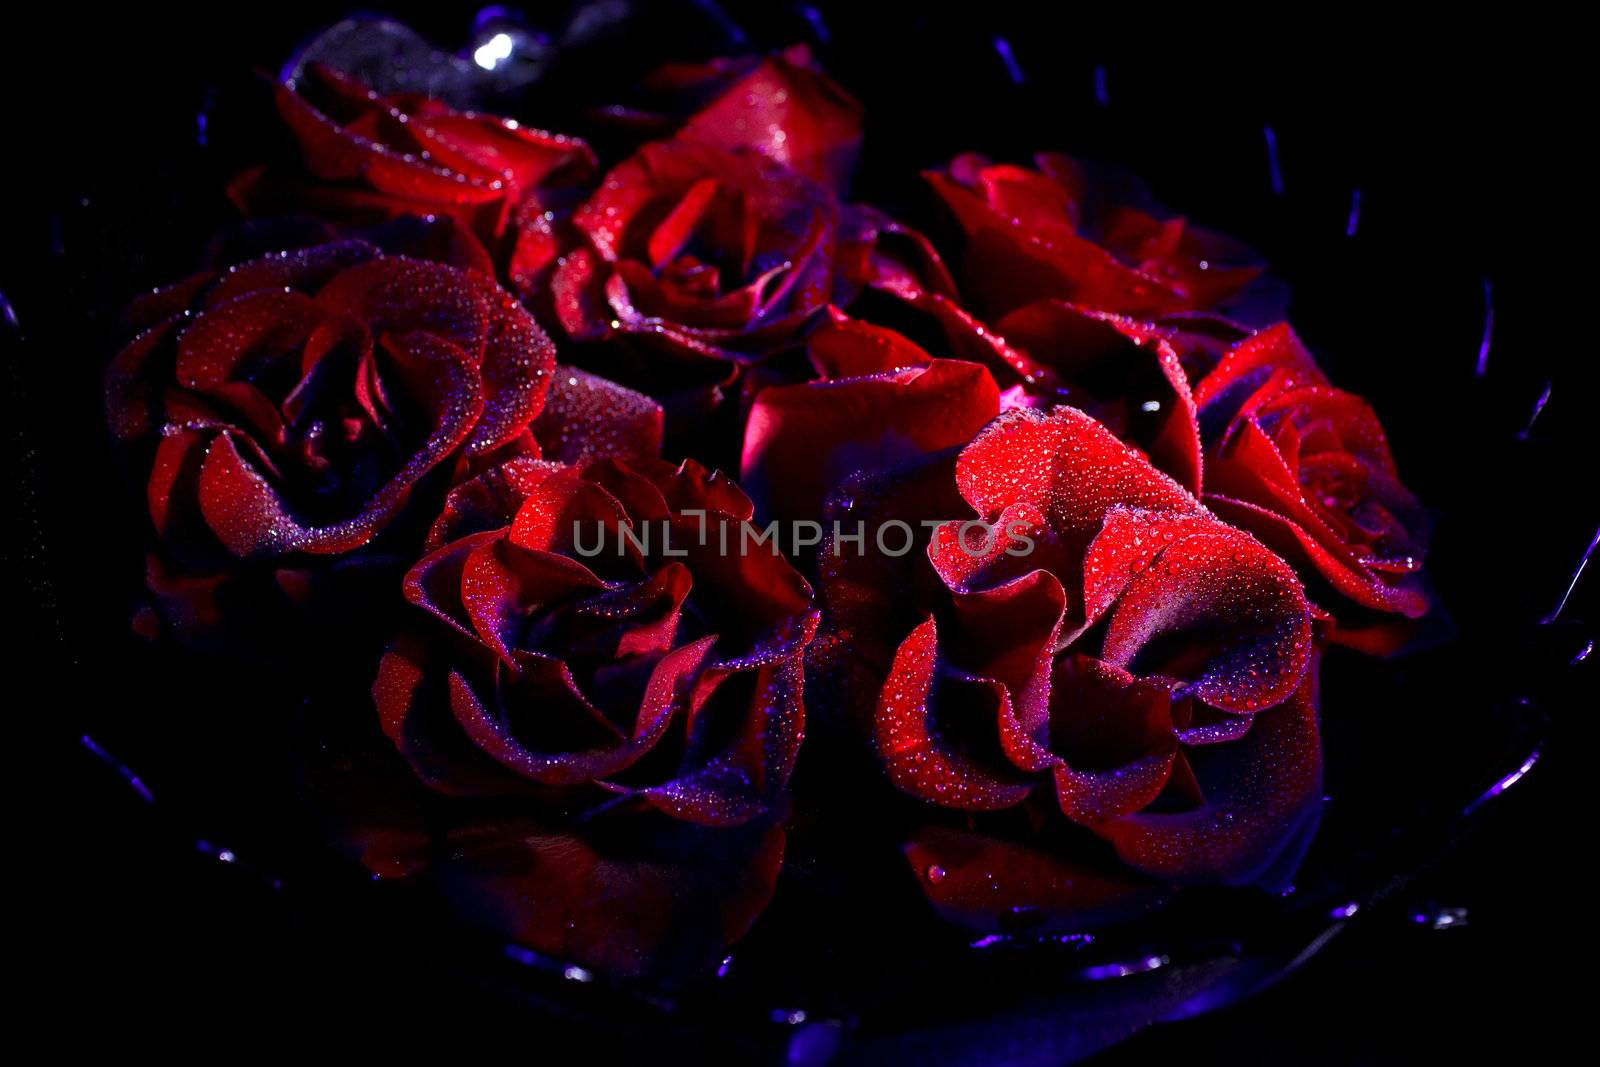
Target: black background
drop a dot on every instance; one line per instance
(1465, 143)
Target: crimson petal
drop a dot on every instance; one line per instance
(414, 710)
(518, 359)
(915, 755)
(1258, 792)
(1115, 738)
(1212, 607)
(742, 780)
(1065, 464)
(586, 417)
(983, 882)
(788, 111)
(802, 440)
(849, 348)
(488, 730)
(305, 270)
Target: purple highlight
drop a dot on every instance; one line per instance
(490, 14)
(1274, 169)
(1441, 918)
(1352, 223)
(122, 769)
(1572, 583)
(9, 313)
(1345, 911)
(814, 17)
(994, 940)
(529, 958)
(526, 957)
(714, 10)
(1488, 328)
(722, 968)
(1583, 653)
(1013, 68)
(1505, 783)
(1123, 970)
(1101, 97)
(221, 855)
(1538, 409)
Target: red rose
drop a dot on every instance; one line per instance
(296, 404)
(1306, 468)
(366, 157)
(1039, 234)
(1102, 642)
(641, 706)
(1054, 342)
(713, 256)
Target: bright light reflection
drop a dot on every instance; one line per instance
(492, 51)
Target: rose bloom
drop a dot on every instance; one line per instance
(705, 257)
(1034, 234)
(636, 711)
(707, 254)
(366, 157)
(1118, 329)
(294, 408)
(1306, 468)
(1141, 667)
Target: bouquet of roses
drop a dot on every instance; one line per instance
(643, 468)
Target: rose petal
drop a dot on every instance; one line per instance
(657, 899)
(849, 348)
(397, 295)
(246, 512)
(413, 702)
(1100, 355)
(488, 730)
(916, 754)
(304, 270)
(985, 883)
(1249, 365)
(789, 112)
(732, 783)
(257, 328)
(1114, 735)
(518, 359)
(1007, 266)
(134, 381)
(1403, 594)
(489, 501)
(1258, 791)
(1212, 607)
(801, 441)
(334, 153)
(690, 486)
(502, 584)
(1065, 464)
